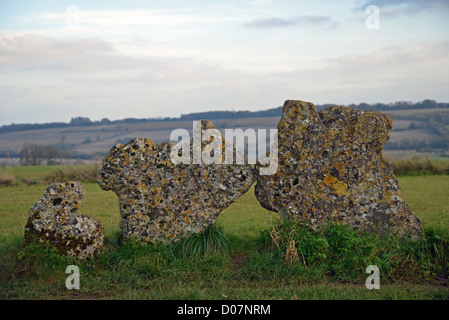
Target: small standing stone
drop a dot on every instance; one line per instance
(54, 220)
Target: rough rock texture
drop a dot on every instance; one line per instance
(54, 219)
(160, 201)
(331, 170)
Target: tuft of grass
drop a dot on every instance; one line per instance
(338, 253)
(7, 179)
(209, 242)
(193, 249)
(85, 173)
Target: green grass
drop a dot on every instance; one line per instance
(428, 197)
(236, 259)
(15, 202)
(340, 254)
(33, 172)
(48, 174)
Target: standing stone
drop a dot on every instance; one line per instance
(54, 220)
(331, 170)
(162, 201)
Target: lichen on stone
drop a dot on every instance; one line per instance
(331, 170)
(54, 220)
(161, 201)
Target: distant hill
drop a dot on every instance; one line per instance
(420, 127)
(83, 121)
(214, 115)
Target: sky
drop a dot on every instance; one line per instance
(149, 59)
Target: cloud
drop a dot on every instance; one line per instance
(397, 7)
(94, 61)
(276, 22)
(30, 52)
(398, 56)
(161, 72)
(119, 19)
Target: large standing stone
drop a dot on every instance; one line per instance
(53, 219)
(162, 201)
(331, 170)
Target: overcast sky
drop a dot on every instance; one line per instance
(146, 59)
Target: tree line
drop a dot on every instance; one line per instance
(214, 115)
(35, 154)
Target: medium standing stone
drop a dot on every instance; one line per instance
(53, 219)
(162, 201)
(331, 170)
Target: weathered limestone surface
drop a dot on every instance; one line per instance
(162, 201)
(331, 170)
(54, 219)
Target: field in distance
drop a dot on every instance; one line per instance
(418, 131)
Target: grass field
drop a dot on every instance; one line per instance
(250, 268)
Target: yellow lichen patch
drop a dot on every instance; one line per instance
(167, 163)
(329, 180)
(338, 186)
(298, 144)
